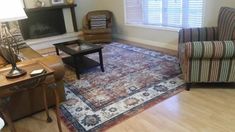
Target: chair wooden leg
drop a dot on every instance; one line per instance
(188, 86)
(45, 104)
(57, 109)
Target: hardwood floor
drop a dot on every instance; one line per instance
(37, 123)
(199, 110)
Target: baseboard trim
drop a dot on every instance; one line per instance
(147, 42)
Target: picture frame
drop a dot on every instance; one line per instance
(56, 2)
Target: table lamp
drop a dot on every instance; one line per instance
(10, 10)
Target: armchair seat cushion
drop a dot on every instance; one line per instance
(97, 31)
(210, 50)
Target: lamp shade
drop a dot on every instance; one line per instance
(11, 10)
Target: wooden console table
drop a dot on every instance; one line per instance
(9, 87)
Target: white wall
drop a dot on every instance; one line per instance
(212, 10)
(84, 6)
(162, 38)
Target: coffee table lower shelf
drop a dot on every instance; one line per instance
(81, 64)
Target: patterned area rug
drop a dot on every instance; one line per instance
(134, 79)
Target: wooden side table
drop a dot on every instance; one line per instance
(9, 87)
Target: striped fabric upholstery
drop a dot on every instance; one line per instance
(226, 24)
(194, 34)
(198, 34)
(211, 70)
(210, 49)
(208, 61)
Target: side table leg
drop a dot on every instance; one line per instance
(101, 61)
(7, 117)
(45, 104)
(57, 109)
(5, 113)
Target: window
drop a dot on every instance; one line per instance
(167, 13)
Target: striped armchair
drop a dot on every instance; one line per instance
(208, 54)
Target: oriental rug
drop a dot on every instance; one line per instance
(134, 79)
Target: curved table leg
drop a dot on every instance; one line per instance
(57, 108)
(45, 104)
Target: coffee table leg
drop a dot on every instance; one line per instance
(76, 67)
(101, 61)
(57, 51)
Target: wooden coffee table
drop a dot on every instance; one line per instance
(77, 50)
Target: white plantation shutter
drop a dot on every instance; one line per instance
(173, 13)
(195, 9)
(168, 13)
(152, 12)
(134, 11)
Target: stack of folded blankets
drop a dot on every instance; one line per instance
(98, 22)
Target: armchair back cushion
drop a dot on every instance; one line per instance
(226, 24)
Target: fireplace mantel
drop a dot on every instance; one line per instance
(50, 7)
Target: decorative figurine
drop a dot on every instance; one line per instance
(39, 3)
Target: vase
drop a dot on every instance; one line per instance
(39, 3)
(70, 1)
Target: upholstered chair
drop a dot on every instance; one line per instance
(97, 26)
(207, 55)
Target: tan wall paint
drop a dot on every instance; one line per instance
(212, 10)
(83, 7)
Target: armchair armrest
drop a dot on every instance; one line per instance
(198, 34)
(85, 23)
(210, 49)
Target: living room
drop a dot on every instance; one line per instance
(154, 65)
